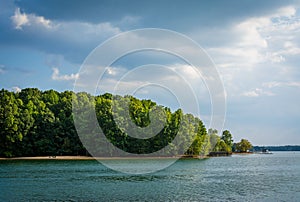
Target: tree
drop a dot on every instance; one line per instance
(220, 144)
(214, 140)
(243, 146)
(227, 138)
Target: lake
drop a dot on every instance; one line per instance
(256, 177)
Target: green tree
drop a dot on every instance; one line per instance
(227, 138)
(10, 122)
(243, 146)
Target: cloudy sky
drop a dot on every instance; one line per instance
(255, 46)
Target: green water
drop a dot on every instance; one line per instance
(256, 177)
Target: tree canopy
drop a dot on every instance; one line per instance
(243, 146)
(40, 123)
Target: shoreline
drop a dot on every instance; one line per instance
(242, 153)
(49, 158)
(100, 158)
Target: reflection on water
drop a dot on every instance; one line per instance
(251, 177)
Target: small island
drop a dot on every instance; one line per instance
(40, 124)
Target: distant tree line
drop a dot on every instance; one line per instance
(278, 148)
(40, 123)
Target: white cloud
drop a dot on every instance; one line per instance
(274, 84)
(66, 34)
(249, 32)
(70, 29)
(115, 71)
(19, 19)
(262, 39)
(256, 49)
(57, 76)
(251, 94)
(16, 89)
(257, 92)
(42, 21)
(186, 71)
(275, 57)
(22, 19)
(288, 11)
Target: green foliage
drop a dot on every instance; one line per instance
(227, 138)
(243, 145)
(221, 144)
(36, 123)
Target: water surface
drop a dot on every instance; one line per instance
(256, 177)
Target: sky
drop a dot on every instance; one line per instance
(254, 45)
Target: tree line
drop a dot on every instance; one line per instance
(41, 123)
(278, 148)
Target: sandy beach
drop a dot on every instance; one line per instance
(51, 158)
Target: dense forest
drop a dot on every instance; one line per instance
(40, 123)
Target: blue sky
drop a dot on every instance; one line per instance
(254, 44)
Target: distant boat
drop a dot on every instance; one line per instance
(265, 151)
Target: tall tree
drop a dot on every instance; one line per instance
(227, 138)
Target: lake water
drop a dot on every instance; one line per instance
(257, 177)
